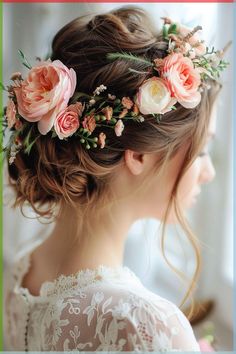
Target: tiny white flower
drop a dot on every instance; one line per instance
(92, 102)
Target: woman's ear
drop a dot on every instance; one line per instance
(136, 162)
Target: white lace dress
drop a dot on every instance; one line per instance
(107, 309)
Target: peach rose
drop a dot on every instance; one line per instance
(183, 79)
(11, 113)
(45, 93)
(154, 97)
(66, 123)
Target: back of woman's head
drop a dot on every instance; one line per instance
(58, 171)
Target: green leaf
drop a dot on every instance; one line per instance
(165, 32)
(117, 109)
(29, 147)
(128, 56)
(54, 134)
(24, 59)
(172, 28)
(21, 54)
(90, 112)
(26, 65)
(27, 139)
(102, 104)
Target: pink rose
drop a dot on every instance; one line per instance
(11, 113)
(154, 96)
(66, 123)
(45, 93)
(183, 79)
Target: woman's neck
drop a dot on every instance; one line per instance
(105, 245)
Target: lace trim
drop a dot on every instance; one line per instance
(81, 279)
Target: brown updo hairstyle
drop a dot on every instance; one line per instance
(63, 172)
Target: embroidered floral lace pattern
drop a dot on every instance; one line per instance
(107, 309)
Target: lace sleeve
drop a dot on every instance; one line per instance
(124, 325)
(149, 329)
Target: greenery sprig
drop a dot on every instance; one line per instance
(24, 60)
(129, 56)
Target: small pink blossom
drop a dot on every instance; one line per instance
(127, 102)
(108, 112)
(89, 123)
(11, 113)
(18, 125)
(101, 140)
(45, 93)
(119, 127)
(182, 79)
(66, 123)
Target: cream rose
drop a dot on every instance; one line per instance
(182, 78)
(154, 97)
(45, 93)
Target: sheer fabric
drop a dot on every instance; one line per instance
(106, 309)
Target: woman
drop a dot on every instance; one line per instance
(113, 129)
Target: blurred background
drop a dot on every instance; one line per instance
(31, 27)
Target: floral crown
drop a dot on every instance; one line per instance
(48, 95)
